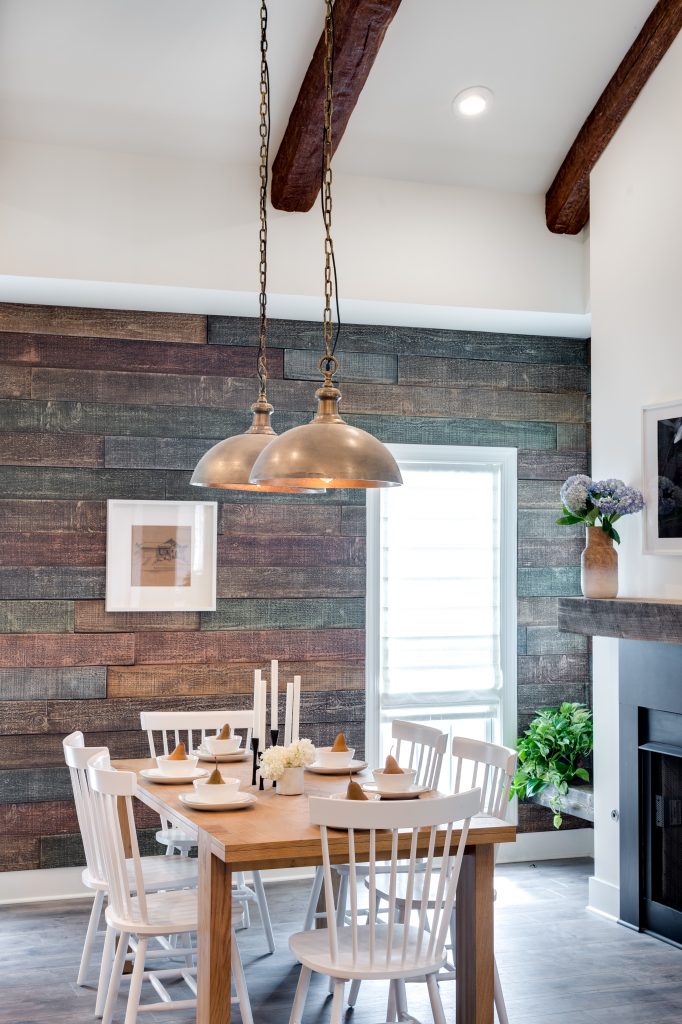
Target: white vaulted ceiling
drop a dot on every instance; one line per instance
(179, 78)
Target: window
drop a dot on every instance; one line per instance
(441, 595)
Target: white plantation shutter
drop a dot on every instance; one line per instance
(438, 588)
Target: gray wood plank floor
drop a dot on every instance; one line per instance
(558, 962)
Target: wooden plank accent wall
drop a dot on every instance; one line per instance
(98, 404)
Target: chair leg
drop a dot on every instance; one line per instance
(400, 998)
(391, 1008)
(499, 998)
(136, 982)
(105, 970)
(115, 979)
(354, 992)
(341, 903)
(90, 935)
(240, 984)
(301, 996)
(337, 1001)
(311, 909)
(434, 998)
(264, 911)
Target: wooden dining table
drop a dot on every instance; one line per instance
(275, 832)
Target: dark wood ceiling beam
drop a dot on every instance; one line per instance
(567, 203)
(359, 30)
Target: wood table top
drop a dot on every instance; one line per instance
(275, 832)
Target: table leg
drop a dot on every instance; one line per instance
(475, 952)
(128, 850)
(214, 976)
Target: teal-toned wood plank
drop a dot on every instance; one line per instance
(31, 482)
(547, 465)
(53, 684)
(285, 581)
(36, 617)
(353, 366)
(32, 785)
(560, 551)
(59, 582)
(548, 640)
(520, 639)
(464, 373)
(548, 582)
(301, 334)
(399, 429)
(573, 435)
(267, 613)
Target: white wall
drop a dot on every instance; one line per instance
(93, 215)
(636, 295)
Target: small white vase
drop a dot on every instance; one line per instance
(291, 783)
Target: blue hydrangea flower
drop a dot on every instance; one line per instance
(614, 498)
(575, 493)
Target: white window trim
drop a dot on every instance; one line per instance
(417, 454)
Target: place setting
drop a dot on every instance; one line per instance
(175, 769)
(224, 747)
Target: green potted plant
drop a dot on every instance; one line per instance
(552, 752)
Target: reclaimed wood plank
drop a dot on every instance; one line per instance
(535, 551)
(19, 853)
(22, 718)
(305, 334)
(537, 611)
(193, 680)
(439, 372)
(575, 436)
(36, 616)
(73, 683)
(243, 645)
(52, 549)
(533, 696)
(39, 483)
(520, 640)
(78, 450)
(550, 582)
(15, 382)
(91, 617)
(545, 465)
(284, 581)
(280, 520)
(25, 751)
(43, 516)
(32, 785)
(294, 551)
(553, 668)
(48, 817)
(65, 352)
(273, 613)
(538, 819)
(60, 582)
(67, 850)
(625, 618)
(55, 650)
(354, 521)
(548, 640)
(103, 323)
(399, 429)
(542, 524)
(300, 364)
(578, 801)
(538, 494)
(179, 488)
(155, 452)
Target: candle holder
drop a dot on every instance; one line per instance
(274, 733)
(254, 748)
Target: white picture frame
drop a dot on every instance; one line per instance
(161, 556)
(662, 523)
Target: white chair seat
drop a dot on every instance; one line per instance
(312, 949)
(159, 873)
(175, 837)
(167, 914)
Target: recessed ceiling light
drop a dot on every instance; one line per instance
(472, 102)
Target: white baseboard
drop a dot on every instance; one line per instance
(604, 898)
(555, 845)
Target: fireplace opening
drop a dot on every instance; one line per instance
(661, 835)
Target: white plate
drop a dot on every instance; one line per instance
(206, 755)
(354, 766)
(386, 794)
(342, 796)
(156, 775)
(241, 801)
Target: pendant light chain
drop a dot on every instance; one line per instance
(264, 161)
(328, 362)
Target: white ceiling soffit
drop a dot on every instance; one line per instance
(179, 78)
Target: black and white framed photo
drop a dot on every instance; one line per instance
(662, 476)
(161, 556)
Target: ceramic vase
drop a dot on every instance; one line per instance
(599, 565)
(291, 782)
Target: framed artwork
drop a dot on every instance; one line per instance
(161, 556)
(662, 475)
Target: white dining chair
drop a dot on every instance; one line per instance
(489, 767)
(191, 728)
(417, 746)
(160, 872)
(391, 951)
(137, 916)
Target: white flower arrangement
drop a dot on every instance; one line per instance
(276, 760)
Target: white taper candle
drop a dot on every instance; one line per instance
(262, 709)
(256, 702)
(274, 694)
(287, 714)
(295, 718)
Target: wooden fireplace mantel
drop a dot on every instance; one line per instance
(627, 618)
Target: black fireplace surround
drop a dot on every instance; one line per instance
(650, 696)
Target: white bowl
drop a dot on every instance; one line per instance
(391, 783)
(184, 767)
(217, 746)
(328, 758)
(219, 793)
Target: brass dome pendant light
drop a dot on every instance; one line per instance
(327, 452)
(228, 464)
